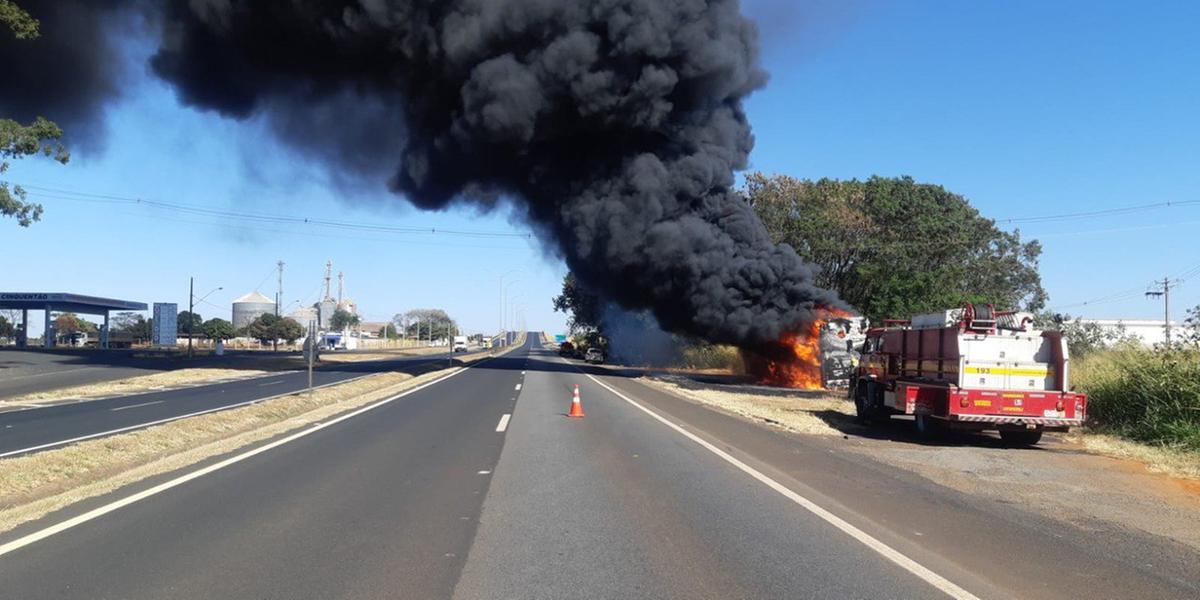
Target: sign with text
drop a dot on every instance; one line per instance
(166, 316)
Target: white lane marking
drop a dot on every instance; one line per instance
(271, 383)
(908, 564)
(136, 405)
(30, 376)
(518, 388)
(167, 420)
(503, 425)
(182, 479)
(485, 473)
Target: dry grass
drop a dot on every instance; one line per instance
(792, 410)
(136, 384)
(35, 485)
(1176, 462)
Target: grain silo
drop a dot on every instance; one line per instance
(250, 307)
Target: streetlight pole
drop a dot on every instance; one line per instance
(192, 310)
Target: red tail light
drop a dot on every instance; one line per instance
(963, 402)
(1059, 406)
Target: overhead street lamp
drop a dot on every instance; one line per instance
(502, 288)
(505, 302)
(192, 309)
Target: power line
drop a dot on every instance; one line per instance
(1124, 210)
(266, 217)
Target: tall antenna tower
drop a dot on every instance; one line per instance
(328, 276)
(279, 294)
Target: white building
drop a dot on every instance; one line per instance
(1151, 332)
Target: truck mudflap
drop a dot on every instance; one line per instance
(1016, 420)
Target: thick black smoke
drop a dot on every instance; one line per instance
(70, 70)
(616, 124)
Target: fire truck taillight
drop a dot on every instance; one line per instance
(1059, 406)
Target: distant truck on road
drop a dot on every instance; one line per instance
(460, 343)
(973, 368)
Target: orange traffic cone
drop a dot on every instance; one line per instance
(576, 406)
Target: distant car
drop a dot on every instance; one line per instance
(566, 349)
(594, 355)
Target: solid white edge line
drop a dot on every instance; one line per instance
(503, 423)
(908, 564)
(168, 419)
(136, 405)
(182, 479)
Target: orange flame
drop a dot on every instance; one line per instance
(802, 369)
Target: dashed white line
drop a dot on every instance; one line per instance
(485, 472)
(921, 571)
(503, 423)
(518, 388)
(271, 383)
(136, 405)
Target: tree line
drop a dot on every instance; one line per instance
(891, 247)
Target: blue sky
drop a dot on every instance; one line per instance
(1026, 108)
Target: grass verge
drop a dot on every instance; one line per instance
(141, 383)
(801, 412)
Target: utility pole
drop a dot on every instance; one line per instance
(1165, 291)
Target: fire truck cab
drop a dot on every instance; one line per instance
(972, 368)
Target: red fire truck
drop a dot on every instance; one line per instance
(972, 368)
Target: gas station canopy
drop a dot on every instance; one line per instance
(63, 302)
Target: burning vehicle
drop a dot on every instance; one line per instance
(821, 355)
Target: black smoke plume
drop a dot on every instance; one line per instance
(70, 70)
(616, 125)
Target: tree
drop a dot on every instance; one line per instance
(583, 307)
(136, 325)
(268, 328)
(17, 140)
(6, 328)
(429, 323)
(71, 323)
(185, 317)
(1084, 337)
(343, 319)
(1191, 327)
(389, 331)
(892, 247)
(217, 329)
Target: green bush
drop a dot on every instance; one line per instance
(1148, 396)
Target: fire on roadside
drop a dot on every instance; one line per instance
(795, 361)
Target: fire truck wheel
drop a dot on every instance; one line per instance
(1015, 437)
(929, 427)
(861, 410)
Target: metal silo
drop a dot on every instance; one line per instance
(250, 307)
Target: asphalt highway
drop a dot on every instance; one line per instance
(34, 429)
(479, 486)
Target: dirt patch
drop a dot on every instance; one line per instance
(133, 385)
(821, 413)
